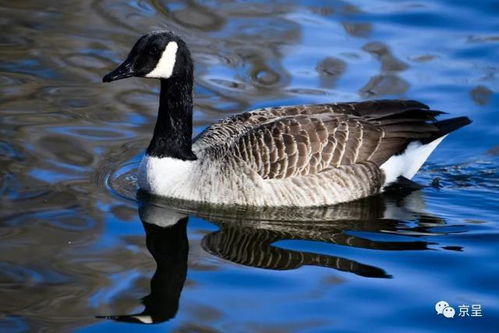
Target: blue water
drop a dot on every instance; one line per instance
(73, 233)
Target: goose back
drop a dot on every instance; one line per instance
(283, 142)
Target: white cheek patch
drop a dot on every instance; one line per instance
(164, 68)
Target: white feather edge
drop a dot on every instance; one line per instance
(409, 162)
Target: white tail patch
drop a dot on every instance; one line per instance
(164, 67)
(144, 319)
(409, 162)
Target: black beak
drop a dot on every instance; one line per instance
(122, 72)
(129, 318)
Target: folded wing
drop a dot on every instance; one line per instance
(302, 140)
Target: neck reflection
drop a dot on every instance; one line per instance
(166, 240)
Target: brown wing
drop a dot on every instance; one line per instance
(290, 141)
(231, 128)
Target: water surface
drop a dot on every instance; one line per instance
(76, 243)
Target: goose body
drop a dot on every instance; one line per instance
(307, 155)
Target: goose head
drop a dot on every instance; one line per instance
(156, 55)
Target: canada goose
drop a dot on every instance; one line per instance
(307, 155)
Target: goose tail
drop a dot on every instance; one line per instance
(446, 126)
(407, 163)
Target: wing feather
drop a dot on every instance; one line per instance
(283, 142)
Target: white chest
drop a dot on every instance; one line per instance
(167, 176)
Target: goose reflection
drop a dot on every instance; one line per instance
(251, 242)
(166, 240)
(248, 237)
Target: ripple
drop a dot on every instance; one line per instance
(384, 85)
(423, 57)
(67, 221)
(358, 29)
(123, 212)
(330, 69)
(226, 84)
(94, 133)
(115, 13)
(388, 61)
(18, 42)
(480, 174)
(216, 58)
(72, 153)
(198, 17)
(88, 61)
(8, 151)
(123, 181)
(494, 151)
(481, 95)
(7, 80)
(483, 39)
(306, 91)
(13, 276)
(64, 219)
(138, 98)
(32, 67)
(266, 77)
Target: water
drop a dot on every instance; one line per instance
(72, 243)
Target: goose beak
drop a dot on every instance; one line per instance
(122, 72)
(138, 318)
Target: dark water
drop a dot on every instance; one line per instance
(73, 246)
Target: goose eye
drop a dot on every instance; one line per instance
(153, 50)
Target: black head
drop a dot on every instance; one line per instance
(156, 55)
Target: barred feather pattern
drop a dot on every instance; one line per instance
(308, 155)
(253, 247)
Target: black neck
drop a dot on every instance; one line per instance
(173, 131)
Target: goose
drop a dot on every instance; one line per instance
(293, 156)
